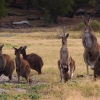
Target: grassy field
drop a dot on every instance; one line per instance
(47, 86)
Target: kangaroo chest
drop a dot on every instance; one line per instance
(18, 64)
(64, 55)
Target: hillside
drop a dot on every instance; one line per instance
(35, 19)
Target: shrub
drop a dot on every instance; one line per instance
(94, 24)
(47, 18)
(47, 21)
(2, 8)
(80, 26)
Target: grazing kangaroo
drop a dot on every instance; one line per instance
(34, 60)
(91, 45)
(66, 64)
(22, 66)
(6, 64)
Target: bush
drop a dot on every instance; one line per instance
(47, 21)
(47, 18)
(94, 24)
(2, 8)
(80, 26)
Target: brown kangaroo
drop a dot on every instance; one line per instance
(97, 69)
(66, 64)
(91, 45)
(6, 64)
(22, 66)
(33, 59)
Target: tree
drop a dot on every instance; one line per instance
(84, 4)
(81, 1)
(2, 8)
(56, 7)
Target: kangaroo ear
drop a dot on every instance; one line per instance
(20, 48)
(2, 46)
(67, 35)
(15, 48)
(25, 47)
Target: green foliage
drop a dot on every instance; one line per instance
(57, 6)
(92, 3)
(94, 24)
(81, 1)
(2, 8)
(7, 2)
(47, 18)
(33, 96)
(19, 96)
(4, 96)
(80, 26)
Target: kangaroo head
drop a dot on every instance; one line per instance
(18, 51)
(23, 50)
(87, 20)
(64, 39)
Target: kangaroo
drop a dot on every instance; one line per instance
(33, 59)
(91, 45)
(22, 66)
(66, 64)
(6, 64)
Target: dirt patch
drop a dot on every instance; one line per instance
(4, 79)
(14, 83)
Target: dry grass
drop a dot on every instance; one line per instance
(47, 45)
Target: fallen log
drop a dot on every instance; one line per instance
(21, 22)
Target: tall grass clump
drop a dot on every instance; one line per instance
(94, 24)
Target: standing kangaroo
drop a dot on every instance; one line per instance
(22, 66)
(91, 45)
(66, 64)
(6, 64)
